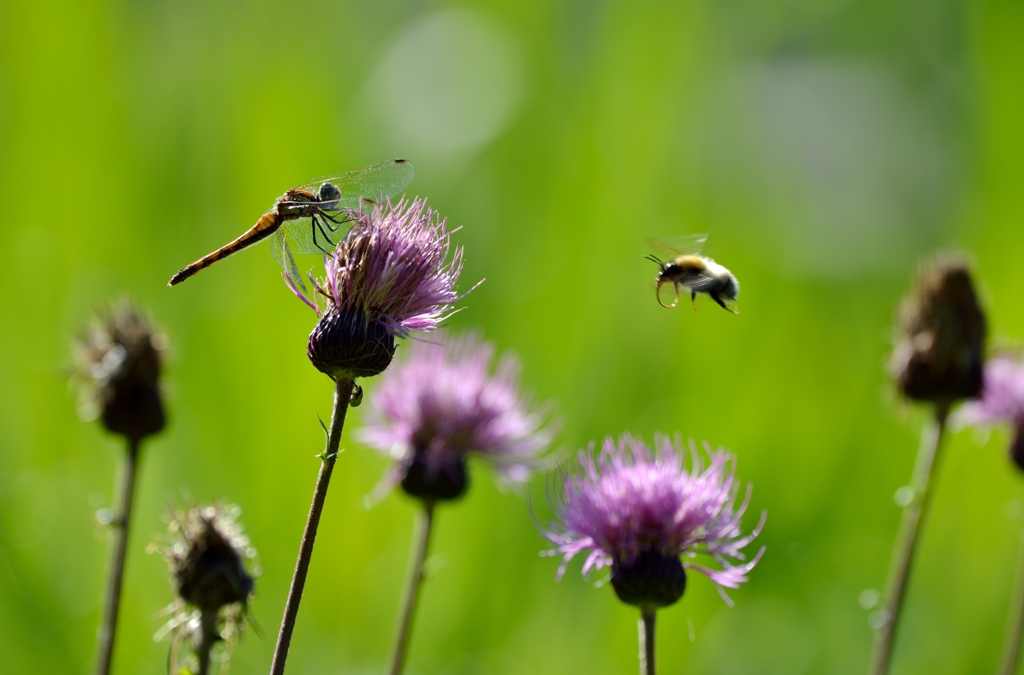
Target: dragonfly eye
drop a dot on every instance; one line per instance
(329, 193)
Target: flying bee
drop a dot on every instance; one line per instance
(695, 273)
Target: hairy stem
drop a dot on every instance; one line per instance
(403, 632)
(646, 630)
(119, 543)
(908, 538)
(1008, 662)
(342, 395)
(208, 637)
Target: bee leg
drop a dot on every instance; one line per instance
(657, 294)
(721, 303)
(693, 300)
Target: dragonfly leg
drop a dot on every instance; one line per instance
(337, 223)
(317, 225)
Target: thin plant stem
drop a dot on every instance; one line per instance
(908, 538)
(646, 629)
(208, 637)
(342, 396)
(1008, 662)
(403, 632)
(119, 544)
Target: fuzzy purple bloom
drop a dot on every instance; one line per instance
(391, 268)
(443, 403)
(1001, 401)
(389, 276)
(628, 503)
(1002, 394)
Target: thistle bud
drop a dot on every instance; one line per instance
(346, 344)
(939, 351)
(118, 359)
(435, 476)
(207, 555)
(208, 566)
(650, 580)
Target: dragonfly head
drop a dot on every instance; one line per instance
(328, 194)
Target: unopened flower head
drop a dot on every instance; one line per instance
(213, 574)
(1001, 402)
(118, 359)
(391, 275)
(443, 403)
(941, 340)
(638, 510)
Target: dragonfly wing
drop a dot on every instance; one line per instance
(284, 256)
(302, 237)
(386, 179)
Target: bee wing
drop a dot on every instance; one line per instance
(684, 245)
(699, 282)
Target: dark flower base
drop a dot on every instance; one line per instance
(212, 574)
(650, 580)
(432, 480)
(134, 408)
(350, 345)
(1017, 446)
(938, 357)
(922, 380)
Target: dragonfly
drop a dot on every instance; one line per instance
(303, 219)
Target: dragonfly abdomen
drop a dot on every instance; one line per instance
(264, 227)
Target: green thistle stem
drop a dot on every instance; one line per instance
(1008, 662)
(403, 632)
(208, 637)
(120, 525)
(646, 631)
(342, 396)
(908, 538)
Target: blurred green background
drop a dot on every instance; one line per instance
(826, 145)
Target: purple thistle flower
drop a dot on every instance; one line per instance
(638, 511)
(1001, 402)
(443, 403)
(386, 278)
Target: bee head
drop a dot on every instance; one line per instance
(663, 278)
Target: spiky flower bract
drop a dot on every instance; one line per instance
(445, 402)
(638, 510)
(941, 335)
(1001, 401)
(118, 360)
(213, 574)
(391, 275)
